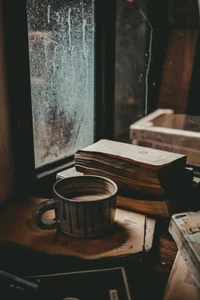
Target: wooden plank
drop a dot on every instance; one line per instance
(167, 248)
(177, 70)
(153, 116)
(127, 238)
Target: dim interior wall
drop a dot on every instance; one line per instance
(6, 159)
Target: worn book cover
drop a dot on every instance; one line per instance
(100, 284)
(145, 170)
(180, 285)
(185, 230)
(175, 202)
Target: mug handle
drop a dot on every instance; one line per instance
(40, 210)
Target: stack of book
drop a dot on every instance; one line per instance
(149, 180)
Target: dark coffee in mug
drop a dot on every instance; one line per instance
(84, 206)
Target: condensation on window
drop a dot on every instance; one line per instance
(61, 56)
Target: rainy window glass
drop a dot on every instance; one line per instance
(61, 56)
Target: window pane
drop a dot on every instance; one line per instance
(61, 55)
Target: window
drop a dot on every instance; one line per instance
(61, 55)
(60, 61)
(89, 70)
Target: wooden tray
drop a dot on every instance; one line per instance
(133, 234)
(171, 132)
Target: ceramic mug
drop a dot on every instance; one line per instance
(84, 206)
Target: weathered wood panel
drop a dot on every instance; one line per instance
(177, 70)
(6, 159)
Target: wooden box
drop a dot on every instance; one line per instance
(171, 132)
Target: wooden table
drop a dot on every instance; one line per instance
(146, 278)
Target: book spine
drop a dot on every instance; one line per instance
(160, 208)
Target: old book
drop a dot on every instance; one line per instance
(160, 208)
(163, 208)
(107, 283)
(177, 201)
(182, 183)
(166, 207)
(99, 284)
(125, 184)
(133, 167)
(180, 285)
(185, 230)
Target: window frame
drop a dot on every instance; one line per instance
(39, 181)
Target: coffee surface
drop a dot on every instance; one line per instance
(88, 196)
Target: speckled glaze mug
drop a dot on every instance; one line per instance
(84, 207)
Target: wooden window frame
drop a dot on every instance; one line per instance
(39, 181)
